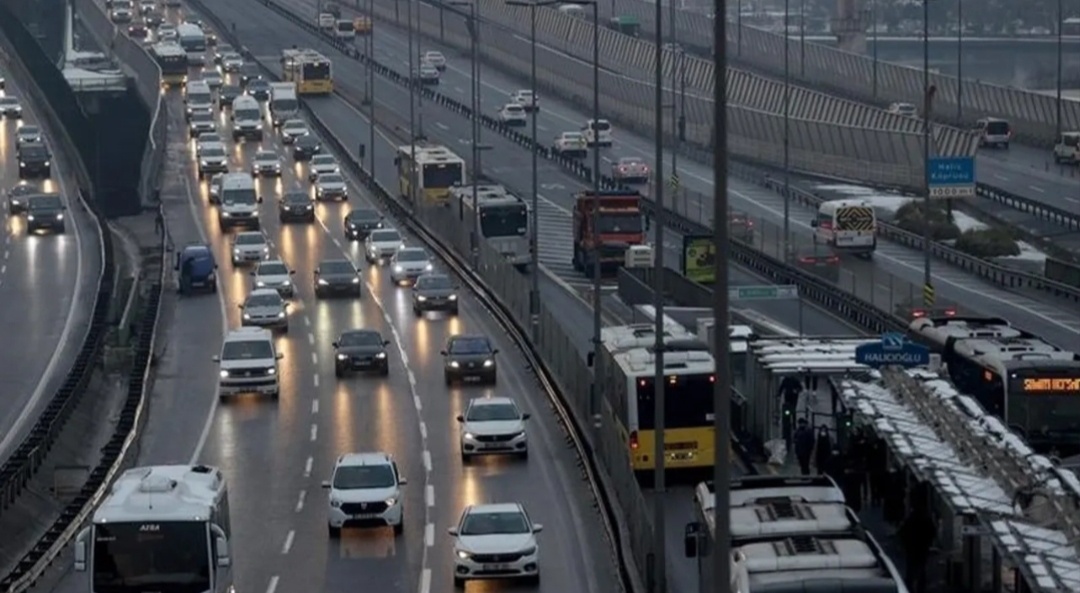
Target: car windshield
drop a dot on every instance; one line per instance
(324, 159)
(247, 350)
(202, 117)
(23, 190)
(360, 477)
(385, 236)
(630, 162)
(360, 338)
(412, 255)
(307, 142)
(574, 137)
(33, 151)
(331, 179)
(602, 125)
(250, 239)
(297, 198)
(434, 282)
(997, 127)
(28, 131)
(8, 101)
(259, 85)
(211, 75)
(273, 269)
(213, 151)
(363, 215)
(263, 300)
(494, 524)
(230, 56)
(514, 108)
(493, 413)
(46, 203)
(230, 90)
(265, 156)
(207, 138)
(337, 267)
(470, 346)
(294, 126)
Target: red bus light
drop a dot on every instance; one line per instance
(633, 440)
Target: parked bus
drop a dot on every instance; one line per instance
(160, 528)
(436, 167)
(1032, 385)
(309, 70)
(847, 225)
(172, 59)
(503, 218)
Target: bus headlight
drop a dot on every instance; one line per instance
(429, 268)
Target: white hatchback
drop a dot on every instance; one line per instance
(249, 246)
(409, 263)
(365, 491)
(493, 425)
(513, 114)
(382, 244)
(274, 274)
(495, 541)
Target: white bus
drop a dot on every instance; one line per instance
(847, 225)
(503, 217)
(193, 39)
(160, 528)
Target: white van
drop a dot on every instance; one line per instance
(597, 132)
(248, 363)
(847, 225)
(1067, 148)
(239, 202)
(284, 105)
(197, 97)
(246, 118)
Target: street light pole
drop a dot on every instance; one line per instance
(787, 143)
(959, 60)
(1060, 22)
(874, 17)
(927, 104)
(474, 51)
(675, 69)
(659, 452)
(413, 72)
(597, 300)
(371, 85)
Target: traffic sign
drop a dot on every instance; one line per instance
(928, 295)
(951, 177)
(763, 293)
(674, 181)
(893, 350)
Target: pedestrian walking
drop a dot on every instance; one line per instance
(159, 223)
(877, 467)
(823, 450)
(804, 445)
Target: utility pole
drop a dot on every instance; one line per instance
(959, 61)
(927, 106)
(413, 74)
(787, 131)
(1060, 22)
(597, 300)
(371, 85)
(659, 452)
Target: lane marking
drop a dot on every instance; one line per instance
(307, 321)
(315, 380)
(300, 501)
(1037, 188)
(425, 580)
(314, 358)
(427, 460)
(423, 430)
(315, 403)
(1001, 177)
(429, 534)
(314, 432)
(429, 495)
(307, 466)
(288, 542)
(412, 381)
(416, 402)
(442, 126)
(311, 338)
(272, 587)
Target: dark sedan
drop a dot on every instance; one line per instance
(469, 357)
(306, 147)
(34, 161)
(17, 197)
(260, 89)
(296, 206)
(337, 277)
(227, 94)
(362, 221)
(249, 72)
(45, 212)
(434, 292)
(361, 350)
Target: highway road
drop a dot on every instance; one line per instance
(276, 453)
(47, 283)
(1051, 320)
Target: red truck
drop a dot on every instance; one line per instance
(620, 225)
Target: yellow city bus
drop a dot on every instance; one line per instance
(309, 69)
(629, 368)
(437, 170)
(173, 61)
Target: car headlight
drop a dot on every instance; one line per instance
(453, 297)
(469, 436)
(421, 298)
(528, 551)
(287, 283)
(463, 554)
(224, 374)
(454, 364)
(225, 214)
(356, 281)
(397, 268)
(308, 207)
(29, 217)
(489, 363)
(271, 371)
(335, 503)
(343, 357)
(260, 284)
(429, 268)
(380, 355)
(266, 249)
(204, 163)
(323, 282)
(281, 315)
(59, 217)
(390, 501)
(247, 316)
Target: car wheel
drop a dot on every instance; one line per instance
(459, 583)
(448, 379)
(223, 398)
(492, 380)
(535, 579)
(417, 312)
(385, 371)
(285, 329)
(524, 454)
(275, 394)
(464, 458)
(339, 372)
(400, 527)
(454, 311)
(333, 532)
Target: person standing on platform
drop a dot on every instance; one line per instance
(917, 534)
(877, 469)
(804, 445)
(823, 450)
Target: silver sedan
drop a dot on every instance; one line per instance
(630, 170)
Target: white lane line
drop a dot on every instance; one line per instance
(288, 542)
(3, 269)
(1037, 188)
(314, 358)
(425, 581)
(1000, 176)
(7, 254)
(427, 460)
(429, 495)
(300, 501)
(429, 534)
(311, 338)
(315, 404)
(307, 466)
(1073, 200)
(307, 321)
(423, 431)
(441, 126)
(412, 381)
(315, 380)
(272, 587)
(459, 90)
(314, 432)
(416, 402)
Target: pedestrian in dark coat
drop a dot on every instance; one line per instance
(823, 449)
(877, 469)
(917, 534)
(804, 445)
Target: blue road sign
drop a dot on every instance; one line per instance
(892, 350)
(951, 177)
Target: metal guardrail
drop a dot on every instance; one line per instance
(851, 75)
(1070, 221)
(695, 208)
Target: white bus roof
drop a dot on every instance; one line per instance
(168, 48)
(431, 154)
(832, 205)
(940, 329)
(189, 30)
(1003, 350)
(750, 491)
(162, 493)
(784, 516)
(821, 356)
(640, 335)
(777, 564)
(303, 54)
(640, 362)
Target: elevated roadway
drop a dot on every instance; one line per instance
(276, 453)
(44, 282)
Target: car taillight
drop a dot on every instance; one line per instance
(950, 312)
(622, 169)
(633, 440)
(807, 260)
(918, 314)
(832, 260)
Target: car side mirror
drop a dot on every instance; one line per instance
(813, 223)
(495, 351)
(240, 307)
(326, 484)
(460, 418)
(223, 559)
(291, 272)
(215, 358)
(252, 273)
(537, 528)
(526, 416)
(452, 531)
(336, 345)
(402, 481)
(442, 352)
(386, 342)
(279, 356)
(81, 549)
(259, 199)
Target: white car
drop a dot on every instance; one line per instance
(264, 307)
(266, 164)
(201, 122)
(27, 135)
(365, 491)
(409, 263)
(167, 33)
(213, 158)
(630, 169)
(571, 144)
(146, 6)
(427, 74)
(248, 363)
(525, 98)
(293, 129)
(904, 109)
(597, 133)
(513, 114)
(382, 244)
(231, 62)
(495, 541)
(206, 139)
(331, 186)
(249, 246)
(273, 273)
(435, 58)
(215, 188)
(322, 164)
(10, 108)
(493, 425)
(212, 78)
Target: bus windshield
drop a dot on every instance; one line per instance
(442, 176)
(688, 402)
(504, 221)
(316, 71)
(345, 26)
(134, 557)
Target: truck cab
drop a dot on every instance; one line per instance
(196, 269)
(618, 226)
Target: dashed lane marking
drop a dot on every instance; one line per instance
(315, 403)
(429, 535)
(427, 460)
(288, 542)
(272, 586)
(300, 501)
(314, 432)
(429, 495)
(307, 466)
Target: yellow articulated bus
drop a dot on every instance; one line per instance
(309, 69)
(629, 368)
(437, 170)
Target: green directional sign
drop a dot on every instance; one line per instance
(763, 293)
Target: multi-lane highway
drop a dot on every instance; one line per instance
(46, 282)
(276, 453)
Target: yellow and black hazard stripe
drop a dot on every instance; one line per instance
(855, 218)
